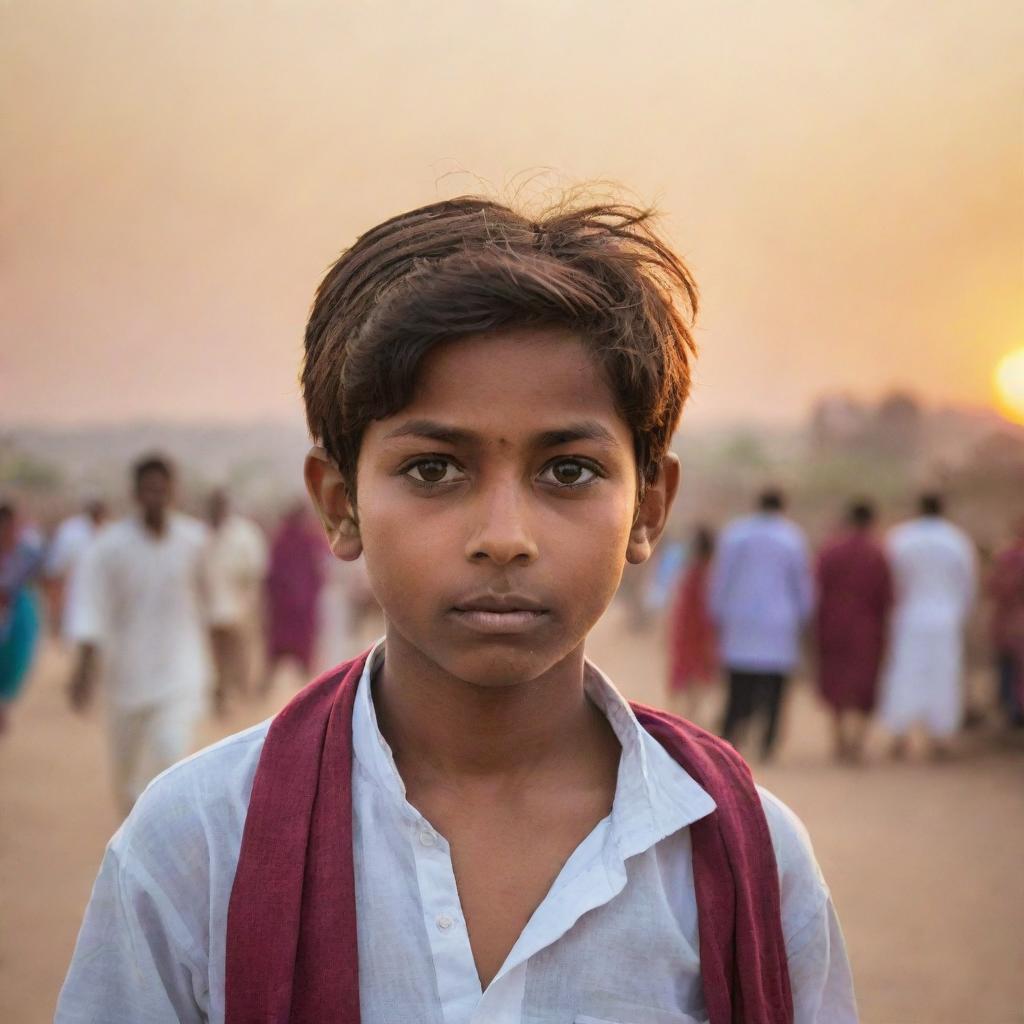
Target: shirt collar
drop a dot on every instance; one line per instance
(654, 795)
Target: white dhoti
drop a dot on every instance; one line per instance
(923, 679)
(934, 574)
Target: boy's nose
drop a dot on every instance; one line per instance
(502, 534)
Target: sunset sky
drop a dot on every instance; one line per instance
(845, 178)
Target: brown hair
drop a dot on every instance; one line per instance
(470, 266)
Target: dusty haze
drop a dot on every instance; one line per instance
(844, 178)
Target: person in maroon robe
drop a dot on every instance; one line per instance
(693, 643)
(854, 598)
(294, 579)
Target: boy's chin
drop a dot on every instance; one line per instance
(501, 668)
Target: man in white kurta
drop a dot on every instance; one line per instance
(934, 575)
(141, 626)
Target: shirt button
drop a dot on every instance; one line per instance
(444, 922)
(427, 839)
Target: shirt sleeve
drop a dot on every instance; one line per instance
(134, 959)
(819, 971)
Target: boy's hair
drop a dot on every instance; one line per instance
(771, 499)
(931, 504)
(470, 266)
(152, 464)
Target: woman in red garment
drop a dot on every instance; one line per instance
(854, 598)
(693, 652)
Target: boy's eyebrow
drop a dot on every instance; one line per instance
(585, 430)
(432, 430)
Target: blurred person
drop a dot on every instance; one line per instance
(141, 628)
(761, 596)
(236, 565)
(346, 602)
(72, 538)
(1006, 591)
(295, 576)
(693, 643)
(21, 558)
(934, 579)
(468, 822)
(854, 599)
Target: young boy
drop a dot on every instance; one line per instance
(469, 825)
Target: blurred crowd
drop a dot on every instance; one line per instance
(174, 612)
(884, 617)
(177, 612)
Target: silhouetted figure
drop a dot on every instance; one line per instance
(237, 562)
(934, 576)
(693, 642)
(21, 557)
(761, 597)
(1006, 588)
(142, 623)
(294, 579)
(854, 600)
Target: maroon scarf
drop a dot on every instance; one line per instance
(291, 935)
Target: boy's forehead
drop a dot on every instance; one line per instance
(526, 377)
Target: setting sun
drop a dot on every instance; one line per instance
(1009, 379)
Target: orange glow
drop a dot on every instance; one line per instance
(1009, 381)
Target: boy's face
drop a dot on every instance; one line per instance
(496, 511)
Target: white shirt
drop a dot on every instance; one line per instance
(143, 603)
(72, 539)
(614, 940)
(237, 562)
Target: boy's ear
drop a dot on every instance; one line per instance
(327, 488)
(653, 512)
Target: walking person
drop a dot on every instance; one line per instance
(236, 565)
(21, 557)
(142, 628)
(935, 580)
(1006, 589)
(693, 643)
(72, 539)
(295, 577)
(854, 599)
(762, 595)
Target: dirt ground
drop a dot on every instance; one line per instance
(925, 861)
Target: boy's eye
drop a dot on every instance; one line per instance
(433, 471)
(568, 473)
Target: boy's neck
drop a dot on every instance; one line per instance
(443, 727)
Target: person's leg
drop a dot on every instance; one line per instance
(858, 722)
(840, 748)
(1009, 702)
(220, 641)
(126, 728)
(773, 687)
(737, 706)
(169, 735)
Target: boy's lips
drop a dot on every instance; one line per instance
(500, 613)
